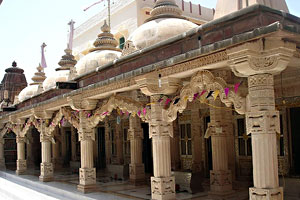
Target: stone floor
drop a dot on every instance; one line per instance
(64, 187)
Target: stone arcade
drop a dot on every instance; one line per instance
(170, 100)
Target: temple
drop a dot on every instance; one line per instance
(170, 100)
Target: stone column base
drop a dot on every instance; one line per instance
(21, 167)
(46, 172)
(137, 174)
(220, 182)
(266, 194)
(87, 180)
(2, 164)
(163, 188)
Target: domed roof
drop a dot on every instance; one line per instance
(103, 52)
(63, 73)
(35, 87)
(165, 22)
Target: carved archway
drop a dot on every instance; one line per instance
(121, 102)
(205, 80)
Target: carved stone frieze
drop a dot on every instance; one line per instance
(163, 188)
(87, 176)
(263, 122)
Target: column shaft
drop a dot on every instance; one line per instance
(2, 159)
(21, 162)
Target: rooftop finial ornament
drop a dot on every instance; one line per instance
(14, 64)
(43, 59)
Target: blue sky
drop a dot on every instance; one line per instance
(26, 24)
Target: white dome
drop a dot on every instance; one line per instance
(95, 59)
(158, 30)
(28, 92)
(59, 76)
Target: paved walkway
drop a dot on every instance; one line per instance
(65, 187)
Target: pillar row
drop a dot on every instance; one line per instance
(21, 161)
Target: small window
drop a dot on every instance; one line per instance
(186, 139)
(121, 42)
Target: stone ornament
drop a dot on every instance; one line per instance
(46, 169)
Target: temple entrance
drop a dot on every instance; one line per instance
(10, 150)
(101, 161)
(208, 149)
(36, 149)
(147, 150)
(295, 138)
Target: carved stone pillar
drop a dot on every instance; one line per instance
(119, 143)
(175, 151)
(2, 159)
(21, 161)
(136, 167)
(55, 151)
(263, 123)
(162, 184)
(196, 140)
(107, 142)
(259, 61)
(87, 172)
(220, 176)
(46, 165)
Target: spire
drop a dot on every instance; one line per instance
(165, 9)
(39, 76)
(225, 7)
(105, 40)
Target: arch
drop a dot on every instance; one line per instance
(121, 102)
(204, 80)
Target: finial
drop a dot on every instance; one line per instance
(70, 44)
(165, 9)
(39, 76)
(14, 64)
(105, 40)
(67, 61)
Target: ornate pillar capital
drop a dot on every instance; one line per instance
(154, 84)
(264, 56)
(85, 131)
(42, 114)
(82, 104)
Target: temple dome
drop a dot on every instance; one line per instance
(104, 51)
(64, 73)
(166, 21)
(35, 87)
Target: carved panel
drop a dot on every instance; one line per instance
(87, 176)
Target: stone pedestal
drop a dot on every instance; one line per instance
(163, 188)
(46, 165)
(21, 161)
(136, 167)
